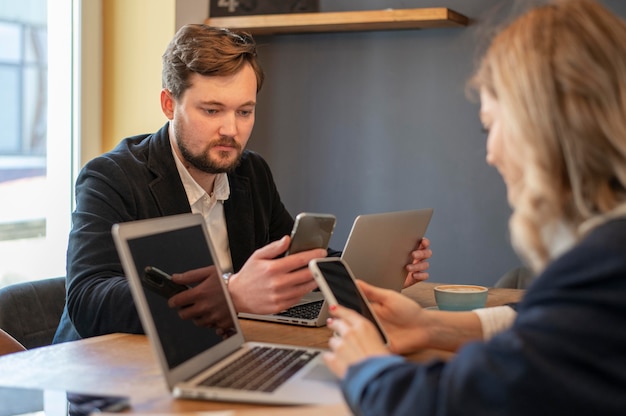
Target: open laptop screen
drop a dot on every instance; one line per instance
(178, 251)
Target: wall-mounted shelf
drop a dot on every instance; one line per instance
(389, 19)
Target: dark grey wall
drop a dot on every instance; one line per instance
(367, 122)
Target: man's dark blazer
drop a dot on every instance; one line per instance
(139, 180)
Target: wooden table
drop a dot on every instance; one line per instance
(124, 364)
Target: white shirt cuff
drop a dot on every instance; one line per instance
(495, 320)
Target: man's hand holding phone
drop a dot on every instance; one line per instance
(160, 282)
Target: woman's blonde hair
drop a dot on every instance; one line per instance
(558, 73)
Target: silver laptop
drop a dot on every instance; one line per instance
(212, 363)
(378, 248)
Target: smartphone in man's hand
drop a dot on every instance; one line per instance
(311, 231)
(160, 282)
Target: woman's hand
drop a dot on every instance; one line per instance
(403, 320)
(355, 339)
(409, 327)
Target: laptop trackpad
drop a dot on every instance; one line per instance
(320, 373)
(311, 297)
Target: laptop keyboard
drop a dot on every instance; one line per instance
(309, 310)
(261, 369)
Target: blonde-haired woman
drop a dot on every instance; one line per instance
(553, 99)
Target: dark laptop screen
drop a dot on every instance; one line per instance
(178, 251)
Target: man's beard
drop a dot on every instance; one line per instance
(203, 161)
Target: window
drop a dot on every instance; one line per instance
(36, 162)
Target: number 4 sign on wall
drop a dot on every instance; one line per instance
(223, 8)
